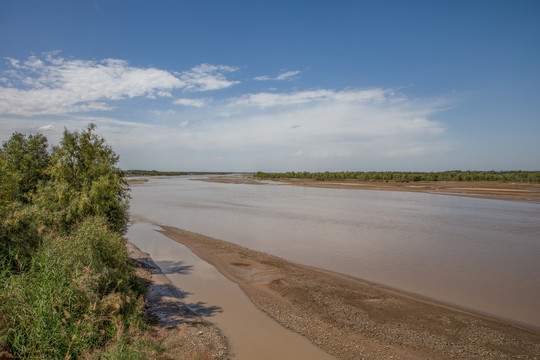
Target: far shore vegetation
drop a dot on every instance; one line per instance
(532, 177)
(67, 284)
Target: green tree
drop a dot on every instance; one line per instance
(24, 160)
(84, 181)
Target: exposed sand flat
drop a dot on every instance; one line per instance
(351, 319)
(489, 189)
(486, 190)
(136, 181)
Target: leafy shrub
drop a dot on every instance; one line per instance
(66, 283)
(84, 181)
(75, 295)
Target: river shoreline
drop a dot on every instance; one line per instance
(350, 318)
(178, 326)
(485, 190)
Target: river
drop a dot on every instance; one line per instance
(478, 254)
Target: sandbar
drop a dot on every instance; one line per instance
(351, 318)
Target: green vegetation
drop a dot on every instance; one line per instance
(532, 177)
(67, 285)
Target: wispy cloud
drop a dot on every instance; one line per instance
(283, 76)
(48, 127)
(323, 127)
(50, 84)
(208, 77)
(53, 85)
(287, 75)
(308, 129)
(161, 112)
(190, 102)
(265, 99)
(262, 78)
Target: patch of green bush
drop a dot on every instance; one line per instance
(74, 295)
(66, 281)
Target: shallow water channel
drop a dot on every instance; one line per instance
(252, 334)
(478, 254)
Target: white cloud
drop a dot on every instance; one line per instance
(108, 122)
(262, 78)
(190, 102)
(164, 94)
(321, 124)
(311, 130)
(316, 129)
(265, 99)
(49, 127)
(283, 76)
(53, 85)
(162, 112)
(287, 75)
(206, 77)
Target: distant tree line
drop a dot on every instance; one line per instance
(532, 177)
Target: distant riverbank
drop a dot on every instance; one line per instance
(523, 192)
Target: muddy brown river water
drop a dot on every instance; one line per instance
(478, 254)
(251, 333)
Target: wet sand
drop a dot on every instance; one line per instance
(351, 318)
(485, 190)
(201, 295)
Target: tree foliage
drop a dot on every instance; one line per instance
(56, 190)
(66, 280)
(84, 181)
(25, 160)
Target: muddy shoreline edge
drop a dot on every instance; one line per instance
(352, 319)
(195, 337)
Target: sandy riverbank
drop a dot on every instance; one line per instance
(136, 181)
(351, 318)
(486, 190)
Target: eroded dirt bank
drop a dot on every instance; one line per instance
(354, 319)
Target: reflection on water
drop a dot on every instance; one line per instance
(476, 253)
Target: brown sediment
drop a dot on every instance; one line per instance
(185, 334)
(352, 319)
(486, 190)
(132, 182)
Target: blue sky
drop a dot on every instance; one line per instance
(280, 85)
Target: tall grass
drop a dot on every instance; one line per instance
(76, 294)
